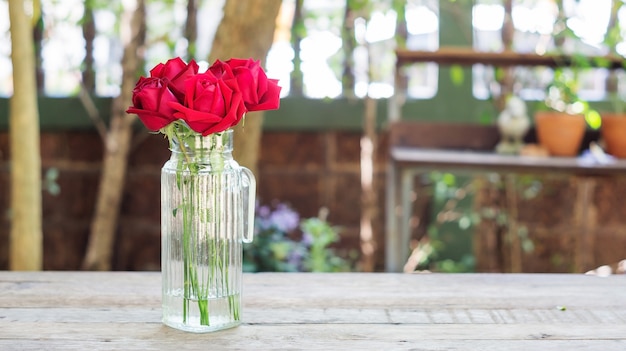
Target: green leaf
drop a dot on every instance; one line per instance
(580, 60)
(601, 62)
(486, 118)
(457, 76)
(593, 119)
(500, 73)
(449, 179)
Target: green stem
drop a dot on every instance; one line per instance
(203, 306)
(190, 275)
(185, 254)
(186, 238)
(217, 274)
(183, 148)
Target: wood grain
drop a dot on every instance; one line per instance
(468, 56)
(344, 311)
(444, 135)
(467, 161)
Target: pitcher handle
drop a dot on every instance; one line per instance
(249, 224)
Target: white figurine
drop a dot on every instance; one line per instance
(513, 123)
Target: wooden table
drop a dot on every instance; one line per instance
(406, 163)
(340, 311)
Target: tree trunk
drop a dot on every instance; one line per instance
(89, 34)
(26, 234)
(38, 30)
(369, 202)
(349, 44)
(247, 30)
(296, 88)
(191, 28)
(117, 145)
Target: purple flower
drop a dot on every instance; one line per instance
(296, 257)
(263, 211)
(284, 218)
(307, 239)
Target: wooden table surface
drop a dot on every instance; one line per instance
(341, 311)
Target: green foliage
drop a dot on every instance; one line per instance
(285, 243)
(593, 118)
(359, 5)
(562, 95)
(562, 92)
(447, 246)
(321, 258)
(457, 76)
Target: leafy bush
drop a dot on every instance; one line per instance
(283, 242)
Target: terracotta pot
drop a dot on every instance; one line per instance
(560, 133)
(614, 133)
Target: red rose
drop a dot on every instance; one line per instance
(151, 98)
(175, 72)
(211, 104)
(259, 92)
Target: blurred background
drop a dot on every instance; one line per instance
(321, 159)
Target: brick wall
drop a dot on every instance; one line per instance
(308, 170)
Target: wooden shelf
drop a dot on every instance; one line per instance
(467, 56)
(416, 148)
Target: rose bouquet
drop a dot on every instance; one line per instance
(203, 197)
(177, 98)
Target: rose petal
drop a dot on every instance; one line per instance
(151, 98)
(151, 119)
(175, 72)
(270, 100)
(221, 70)
(168, 70)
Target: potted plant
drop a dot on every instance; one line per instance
(561, 127)
(613, 130)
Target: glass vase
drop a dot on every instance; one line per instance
(207, 212)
